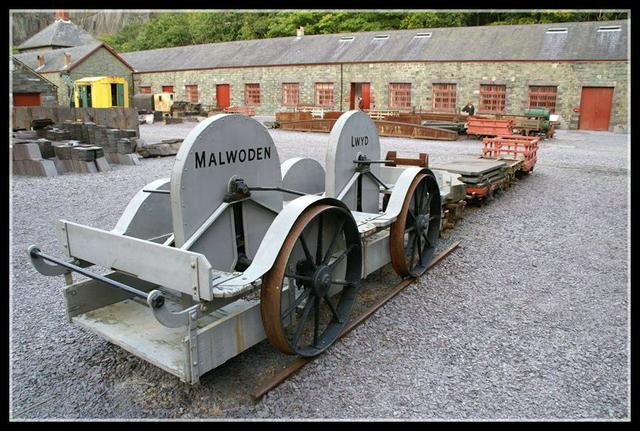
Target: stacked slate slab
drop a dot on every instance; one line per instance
(108, 145)
(28, 159)
(82, 158)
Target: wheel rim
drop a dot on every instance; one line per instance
(307, 296)
(414, 235)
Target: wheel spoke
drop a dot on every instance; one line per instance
(333, 243)
(333, 309)
(428, 203)
(305, 247)
(419, 249)
(424, 235)
(319, 248)
(410, 239)
(316, 319)
(413, 216)
(303, 320)
(413, 251)
(342, 256)
(416, 201)
(297, 302)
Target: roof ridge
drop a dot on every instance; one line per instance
(372, 32)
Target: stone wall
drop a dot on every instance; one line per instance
(569, 77)
(25, 80)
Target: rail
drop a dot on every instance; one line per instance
(296, 365)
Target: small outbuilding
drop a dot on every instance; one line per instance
(101, 92)
(28, 88)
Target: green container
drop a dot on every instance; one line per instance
(538, 112)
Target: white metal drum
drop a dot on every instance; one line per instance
(353, 134)
(218, 149)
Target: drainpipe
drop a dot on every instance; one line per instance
(341, 96)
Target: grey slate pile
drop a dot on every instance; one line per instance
(108, 145)
(168, 147)
(28, 158)
(82, 158)
(55, 134)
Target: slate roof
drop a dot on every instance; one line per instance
(60, 33)
(31, 71)
(54, 59)
(581, 41)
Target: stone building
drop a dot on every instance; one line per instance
(63, 53)
(578, 70)
(29, 88)
(62, 33)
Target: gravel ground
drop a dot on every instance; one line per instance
(528, 319)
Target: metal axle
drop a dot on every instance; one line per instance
(36, 253)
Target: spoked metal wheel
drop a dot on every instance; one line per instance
(307, 296)
(413, 236)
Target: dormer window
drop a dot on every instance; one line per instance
(604, 28)
(557, 30)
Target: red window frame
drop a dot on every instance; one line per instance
(324, 94)
(290, 93)
(191, 92)
(399, 95)
(146, 89)
(543, 96)
(492, 98)
(252, 94)
(444, 97)
(167, 88)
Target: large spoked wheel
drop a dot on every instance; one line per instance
(413, 236)
(307, 296)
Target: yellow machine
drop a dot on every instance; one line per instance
(163, 102)
(101, 92)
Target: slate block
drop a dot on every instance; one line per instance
(128, 159)
(46, 149)
(59, 165)
(102, 164)
(125, 146)
(27, 151)
(17, 167)
(128, 133)
(83, 154)
(63, 152)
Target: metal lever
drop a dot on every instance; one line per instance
(164, 192)
(157, 300)
(366, 161)
(278, 189)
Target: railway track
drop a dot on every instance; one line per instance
(299, 363)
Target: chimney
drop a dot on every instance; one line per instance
(40, 60)
(67, 59)
(300, 32)
(62, 14)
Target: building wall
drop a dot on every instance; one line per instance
(100, 63)
(25, 80)
(569, 77)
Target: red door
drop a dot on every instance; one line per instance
(365, 90)
(223, 96)
(352, 100)
(26, 99)
(595, 108)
